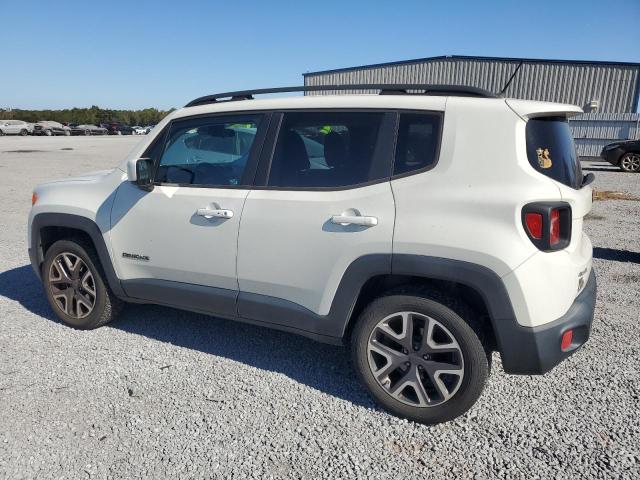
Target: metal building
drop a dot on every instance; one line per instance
(601, 87)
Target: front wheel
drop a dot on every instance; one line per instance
(630, 162)
(75, 285)
(419, 358)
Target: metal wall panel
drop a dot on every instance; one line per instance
(592, 131)
(614, 85)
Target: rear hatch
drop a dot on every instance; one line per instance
(551, 152)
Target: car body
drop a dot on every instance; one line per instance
(87, 129)
(15, 127)
(50, 128)
(625, 155)
(138, 130)
(116, 128)
(424, 230)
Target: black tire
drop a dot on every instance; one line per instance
(447, 312)
(23, 132)
(630, 162)
(1, 133)
(106, 307)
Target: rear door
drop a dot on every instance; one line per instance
(323, 201)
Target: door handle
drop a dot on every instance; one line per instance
(214, 213)
(354, 220)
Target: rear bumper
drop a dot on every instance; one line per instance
(536, 350)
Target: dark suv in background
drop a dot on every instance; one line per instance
(116, 128)
(625, 155)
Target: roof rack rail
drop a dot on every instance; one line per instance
(385, 89)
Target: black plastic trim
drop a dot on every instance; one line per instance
(76, 222)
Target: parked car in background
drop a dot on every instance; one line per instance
(625, 155)
(50, 128)
(116, 128)
(14, 127)
(87, 129)
(138, 130)
(148, 128)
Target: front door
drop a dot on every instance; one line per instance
(179, 241)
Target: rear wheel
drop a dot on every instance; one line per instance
(419, 358)
(23, 132)
(630, 162)
(75, 287)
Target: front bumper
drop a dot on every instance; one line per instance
(612, 155)
(536, 350)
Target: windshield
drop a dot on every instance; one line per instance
(551, 150)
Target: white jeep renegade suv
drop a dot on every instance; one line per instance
(425, 230)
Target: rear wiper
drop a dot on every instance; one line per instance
(587, 179)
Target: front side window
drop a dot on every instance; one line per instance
(418, 142)
(326, 149)
(208, 151)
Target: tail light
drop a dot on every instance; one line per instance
(548, 224)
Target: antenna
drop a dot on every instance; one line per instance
(513, 75)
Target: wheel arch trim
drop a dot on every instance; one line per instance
(75, 222)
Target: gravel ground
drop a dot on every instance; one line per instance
(168, 394)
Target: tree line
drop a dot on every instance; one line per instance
(94, 115)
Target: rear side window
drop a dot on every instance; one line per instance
(418, 142)
(327, 149)
(551, 150)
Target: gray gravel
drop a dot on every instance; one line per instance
(167, 394)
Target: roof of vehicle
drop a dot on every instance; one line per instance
(523, 108)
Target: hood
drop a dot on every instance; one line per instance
(87, 177)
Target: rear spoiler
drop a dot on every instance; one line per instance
(529, 109)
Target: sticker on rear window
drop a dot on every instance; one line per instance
(544, 160)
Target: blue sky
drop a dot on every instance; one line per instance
(137, 54)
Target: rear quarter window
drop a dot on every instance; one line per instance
(551, 151)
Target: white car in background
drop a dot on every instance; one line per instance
(15, 127)
(138, 130)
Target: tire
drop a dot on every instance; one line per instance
(452, 372)
(1, 133)
(630, 162)
(87, 133)
(23, 132)
(65, 254)
(48, 133)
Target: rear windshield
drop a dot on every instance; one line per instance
(551, 150)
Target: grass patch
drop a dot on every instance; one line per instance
(611, 195)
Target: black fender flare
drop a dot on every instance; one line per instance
(76, 222)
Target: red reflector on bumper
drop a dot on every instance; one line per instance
(567, 339)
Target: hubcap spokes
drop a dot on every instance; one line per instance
(415, 359)
(72, 285)
(631, 162)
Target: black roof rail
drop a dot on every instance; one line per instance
(385, 89)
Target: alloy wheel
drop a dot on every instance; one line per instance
(72, 285)
(415, 359)
(631, 162)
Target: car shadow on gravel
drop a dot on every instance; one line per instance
(616, 255)
(323, 367)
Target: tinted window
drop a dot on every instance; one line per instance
(208, 151)
(551, 150)
(418, 142)
(326, 149)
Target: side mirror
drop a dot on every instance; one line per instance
(144, 167)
